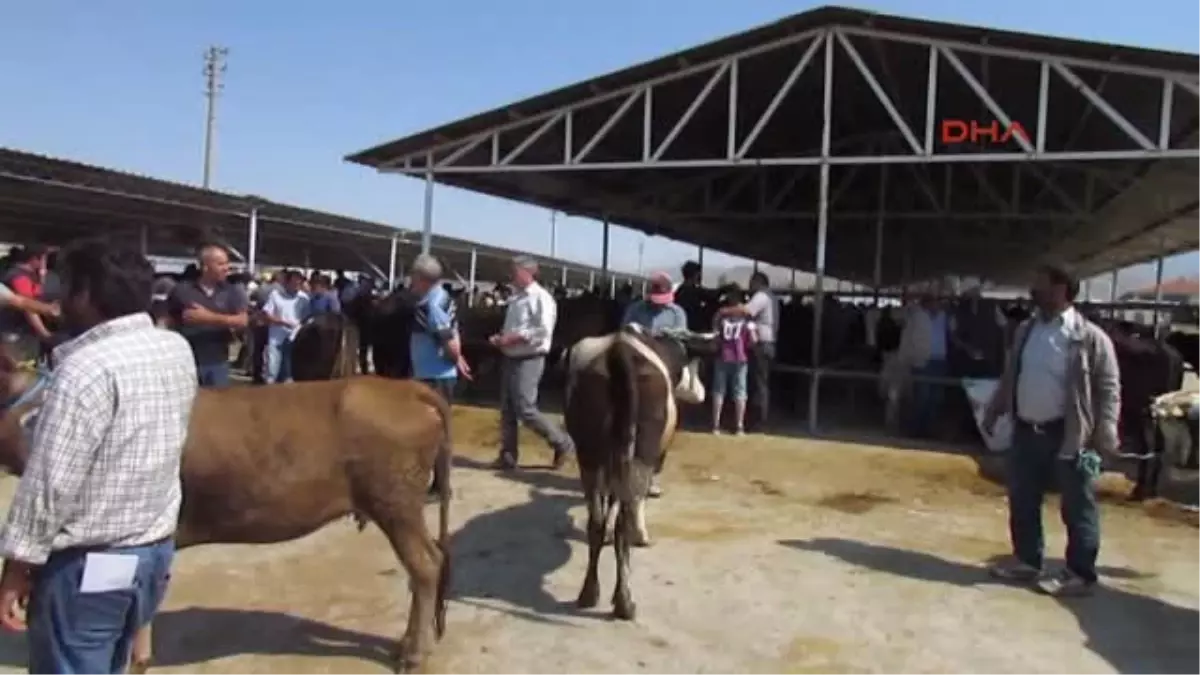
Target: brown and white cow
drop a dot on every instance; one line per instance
(271, 464)
(621, 411)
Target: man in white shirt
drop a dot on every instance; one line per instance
(525, 341)
(286, 308)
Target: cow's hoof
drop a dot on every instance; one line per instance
(589, 597)
(641, 541)
(407, 659)
(139, 667)
(624, 610)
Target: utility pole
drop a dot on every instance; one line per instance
(214, 69)
(553, 233)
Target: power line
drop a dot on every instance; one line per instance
(214, 70)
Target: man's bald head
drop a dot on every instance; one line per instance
(213, 262)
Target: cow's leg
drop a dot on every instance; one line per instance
(422, 560)
(142, 651)
(639, 535)
(623, 605)
(599, 507)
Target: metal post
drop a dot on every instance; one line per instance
(392, 263)
(553, 233)
(563, 280)
(1158, 294)
(471, 278)
(700, 261)
(612, 287)
(252, 254)
(1112, 294)
(793, 278)
(427, 222)
(755, 267)
(822, 236)
(604, 251)
(591, 280)
(877, 279)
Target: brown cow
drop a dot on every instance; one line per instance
(621, 413)
(265, 465)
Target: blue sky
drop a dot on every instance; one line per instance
(118, 84)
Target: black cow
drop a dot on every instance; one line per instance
(325, 348)
(621, 412)
(1188, 345)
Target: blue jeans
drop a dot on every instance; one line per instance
(927, 398)
(213, 374)
(1033, 468)
(73, 632)
(730, 376)
(279, 362)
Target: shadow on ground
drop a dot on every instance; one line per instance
(200, 634)
(1133, 633)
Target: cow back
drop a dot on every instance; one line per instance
(324, 348)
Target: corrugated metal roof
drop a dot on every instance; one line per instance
(38, 185)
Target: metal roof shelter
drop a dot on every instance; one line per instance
(51, 201)
(822, 140)
(891, 115)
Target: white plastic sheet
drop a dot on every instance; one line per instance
(979, 392)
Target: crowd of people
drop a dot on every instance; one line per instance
(88, 539)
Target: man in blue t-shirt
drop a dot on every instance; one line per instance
(434, 347)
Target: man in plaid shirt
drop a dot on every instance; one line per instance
(88, 542)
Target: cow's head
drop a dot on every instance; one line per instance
(21, 394)
(1171, 432)
(683, 354)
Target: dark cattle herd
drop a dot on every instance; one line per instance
(853, 337)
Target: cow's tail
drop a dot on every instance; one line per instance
(623, 396)
(442, 466)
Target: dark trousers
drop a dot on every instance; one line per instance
(215, 375)
(927, 397)
(762, 356)
(75, 632)
(445, 387)
(1033, 467)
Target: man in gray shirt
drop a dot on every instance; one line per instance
(1062, 387)
(763, 309)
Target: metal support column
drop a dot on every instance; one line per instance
(471, 278)
(1112, 293)
(1158, 294)
(700, 261)
(591, 280)
(252, 254)
(604, 272)
(877, 278)
(563, 278)
(427, 221)
(822, 236)
(392, 263)
(793, 278)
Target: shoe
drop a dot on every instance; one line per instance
(1014, 570)
(655, 490)
(505, 462)
(1065, 584)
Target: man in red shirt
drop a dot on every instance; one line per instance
(25, 279)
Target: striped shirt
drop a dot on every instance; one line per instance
(105, 454)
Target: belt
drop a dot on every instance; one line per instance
(1042, 427)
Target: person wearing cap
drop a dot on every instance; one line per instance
(657, 312)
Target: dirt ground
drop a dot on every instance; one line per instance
(771, 555)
